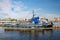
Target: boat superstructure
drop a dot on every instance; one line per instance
(35, 22)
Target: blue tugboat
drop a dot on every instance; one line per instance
(35, 23)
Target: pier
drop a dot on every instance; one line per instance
(27, 29)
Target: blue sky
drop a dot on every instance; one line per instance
(48, 5)
(23, 8)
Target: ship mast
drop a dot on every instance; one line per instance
(33, 14)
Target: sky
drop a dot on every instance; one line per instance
(24, 8)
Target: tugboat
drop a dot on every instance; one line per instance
(35, 23)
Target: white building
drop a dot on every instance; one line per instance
(8, 22)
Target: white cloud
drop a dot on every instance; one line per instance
(6, 6)
(16, 10)
(49, 15)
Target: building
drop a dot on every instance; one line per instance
(8, 21)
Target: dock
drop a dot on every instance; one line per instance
(27, 29)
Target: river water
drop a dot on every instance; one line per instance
(53, 34)
(36, 35)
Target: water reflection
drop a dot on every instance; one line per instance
(31, 35)
(37, 35)
(44, 35)
(1, 29)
